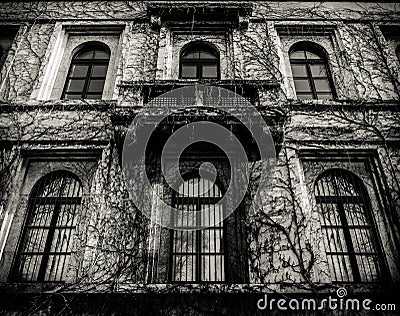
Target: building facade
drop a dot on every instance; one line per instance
(324, 77)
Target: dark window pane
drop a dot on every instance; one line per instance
(298, 55)
(189, 71)
(96, 85)
(184, 268)
(212, 267)
(85, 55)
(355, 214)
(94, 96)
(312, 56)
(302, 85)
(318, 71)
(79, 71)
(75, 85)
(299, 70)
(194, 63)
(100, 54)
(209, 71)
(322, 85)
(70, 96)
(86, 65)
(191, 55)
(304, 96)
(99, 70)
(207, 55)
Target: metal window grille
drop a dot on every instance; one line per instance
(311, 75)
(350, 237)
(198, 256)
(46, 240)
(87, 73)
(199, 61)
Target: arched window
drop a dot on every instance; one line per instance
(87, 73)
(199, 61)
(198, 256)
(46, 240)
(351, 241)
(311, 73)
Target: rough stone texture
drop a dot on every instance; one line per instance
(116, 249)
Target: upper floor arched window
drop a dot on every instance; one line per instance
(198, 256)
(311, 75)
(351, 241)
(87, 73)
(47, 236)
(199, 61)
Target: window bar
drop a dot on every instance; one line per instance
(69, 218)
(49, 240)
(339, 230)
(210, 246)
(350, 195)
(357, 236)
(198, 232)
(344, 248)
(32, 263)
(367, 230)
(186, 232)
(326, 237)
(45, 217)
(36, 207)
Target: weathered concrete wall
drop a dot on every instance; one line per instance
(358, 66)
(114, 242)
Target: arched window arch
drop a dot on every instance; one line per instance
(311, 74)
(352, 246)
(47, 236)
(87, 73)
(198, 255)
(199, 61)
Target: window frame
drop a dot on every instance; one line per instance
(90, 63)
(323, 60)
(55, 203)
(198, 253)
(200, 62)
(362, 200)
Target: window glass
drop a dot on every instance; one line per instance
(87, 73)
(350, 237)
(189, 71)
(199, 61)
(198, 256)
(310, 74)
(47, 236)
(209, 71)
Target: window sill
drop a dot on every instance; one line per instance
(58, 105)
(176, 288)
